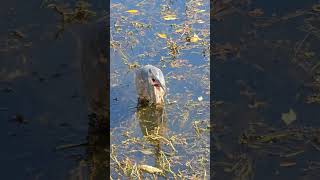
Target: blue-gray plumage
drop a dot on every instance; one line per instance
(150, 84)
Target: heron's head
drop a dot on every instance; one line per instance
(156, 84)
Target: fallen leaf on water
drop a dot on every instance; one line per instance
(161, 35)
(147, 152)
(179, 30)
(289, 117)
(169, 17)
(150, 169)
(194, 38)
(133, 65)
(132, 11)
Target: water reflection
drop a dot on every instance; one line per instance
(153, 123)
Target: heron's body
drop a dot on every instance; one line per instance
(150, 84)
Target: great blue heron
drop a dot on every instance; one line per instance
(150, 85)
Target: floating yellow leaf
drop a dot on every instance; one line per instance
(179, 30)
(132, 11)
(194, 38)
(161, 35)
(150, 169)
(170, 17)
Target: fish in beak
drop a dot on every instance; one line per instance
(159, 90)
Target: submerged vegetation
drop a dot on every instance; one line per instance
(178, 155)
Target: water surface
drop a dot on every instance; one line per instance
(174, 36)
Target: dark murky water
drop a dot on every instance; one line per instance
(267, 125)
(42, 98)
